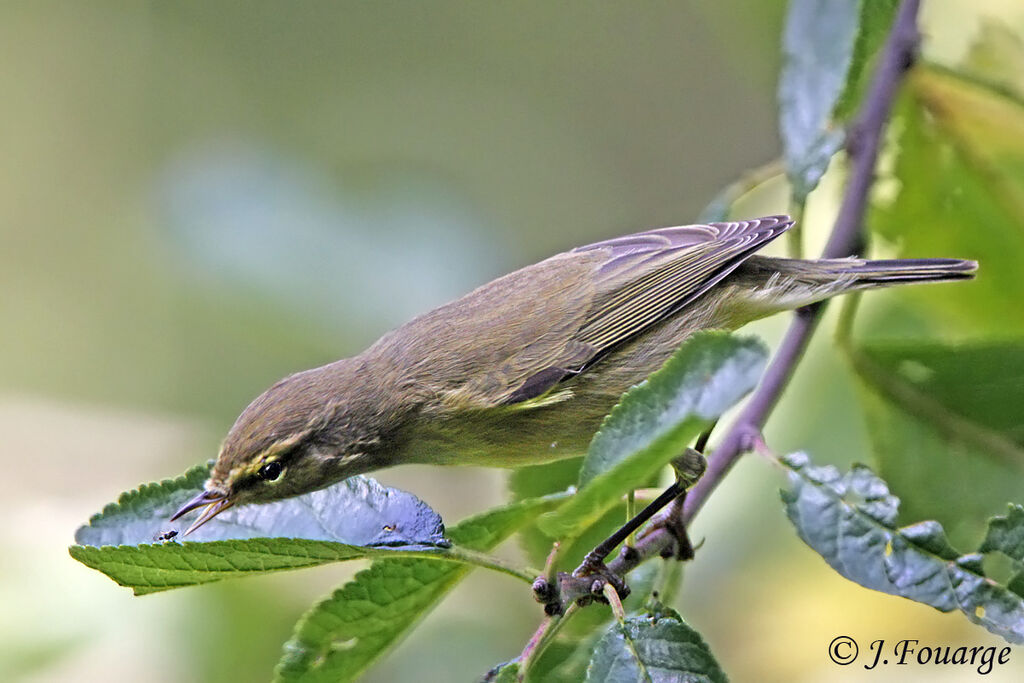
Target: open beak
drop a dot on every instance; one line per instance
(215, 503)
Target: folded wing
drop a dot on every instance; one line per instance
(643, 279)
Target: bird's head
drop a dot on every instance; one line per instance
(298, 436)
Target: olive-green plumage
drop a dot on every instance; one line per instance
(523, 369)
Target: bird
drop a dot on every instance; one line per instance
(523, 369)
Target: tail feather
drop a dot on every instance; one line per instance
(880, 273)
(769, 284)
(854, 272)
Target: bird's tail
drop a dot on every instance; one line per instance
(861, 274)
(774, 284)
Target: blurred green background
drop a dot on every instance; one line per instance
(198, 198)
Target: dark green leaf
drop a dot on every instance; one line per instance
(851, 521)
(979, 382)
(826, 45)
(941, 415)
(342, 635)
(656, 420)
(1006, 535)
(647, 649)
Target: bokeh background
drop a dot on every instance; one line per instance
(197, 198)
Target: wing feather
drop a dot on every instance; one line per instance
(596, 297)
(678, 264)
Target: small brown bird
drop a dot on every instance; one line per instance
(522, 370)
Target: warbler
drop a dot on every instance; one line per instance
(522, 370)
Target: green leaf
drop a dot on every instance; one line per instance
(531, 482)
(656, 420)
(997, 56)
(876, 17)
(525, 483)
(353, 519)
(342, 635)
(357, 511)
(826, 45)
(1006, 535)
(851, 521)
(940, 415)
(649, 649)
(957, 190)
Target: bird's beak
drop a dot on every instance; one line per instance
(216, 502)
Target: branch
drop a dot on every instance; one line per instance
(862, 145)
(864, 139)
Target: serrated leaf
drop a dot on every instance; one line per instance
(350, 520)
(342, 635)
(826, 45)
(851, 521)
(357, 511)
(936, 409)
(1006, 535)
(646, 649)
(656, 420)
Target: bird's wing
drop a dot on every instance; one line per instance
(642, 279)
(513, 341)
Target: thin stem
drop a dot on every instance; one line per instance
(630, 513)
(701, 445)
(795, 235)
(612, 596)
(529, 652)
(466, 556)
(540, 639)
(549, 563)
(668, 581)
(648, 495)
(847, 314)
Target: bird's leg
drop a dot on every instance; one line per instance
(689, 468)
(587, 582)
(594, 561)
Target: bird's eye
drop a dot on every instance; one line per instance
(270, 471)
